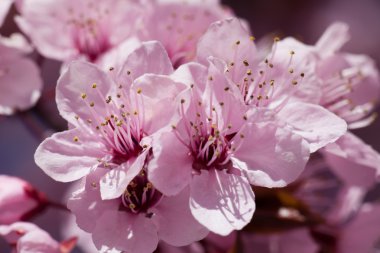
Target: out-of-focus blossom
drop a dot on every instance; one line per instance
(27, 237)
(297, 240)
(20, 81)
(5, 5)
(18, 199)
(213, 243)
(350, 83)
(111, 116)
(179, 24)
(66, 30)
(218, 150)
(354, 161)
(283, 82)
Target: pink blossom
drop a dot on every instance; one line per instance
(17, 91)
(284, 81)
(111, 114)
(66, 30)
(179, 24)
(350, 83)
(26, 237)
(18, 199)
(218, 150)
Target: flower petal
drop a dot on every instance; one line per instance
(171, 166)
(176, 224)
(69, 155)
(114, 182)
(80, 85)
(125, 232)
(333, 39)
(353, 160)
(18, 91)
(221, 202)
(86, 203)
(315, 124)
(271, 156)
(150, 57)
(157, 93)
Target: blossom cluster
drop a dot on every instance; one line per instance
(183, 129)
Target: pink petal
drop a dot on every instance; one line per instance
(335, 36)
(191, 74)
(5, 5)
(158, 93)
(176, 225)
(86, 203)
(15, 231)
(353, 160)
(234, 45)
(38, 241)
(150, 57)
(114, 182)
(221, 202)
(15, 201)
(18, 92)
(77, 80)
(125, 232)
(362, 233)
(69, 155)
(315, 124)
(271, 156)
(171, 166)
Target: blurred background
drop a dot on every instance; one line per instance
(305, 20)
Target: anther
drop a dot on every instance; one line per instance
(94, 85)
(249, 72)
(83, 95)
(92, 104)
(245, 62)
(139, 90)
(76, 139)
(294, 82)
(252, 38)
(237, 42)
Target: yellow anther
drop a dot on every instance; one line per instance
(83, 95)
(139, 90)
(276, 39)
(92, 104)
(249, 72)
(252, 38)
(76, 139)
(94, 85)
(294, 82)
(132, 206)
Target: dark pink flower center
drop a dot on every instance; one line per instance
(89, 34)
(140, 195)
(121, 128)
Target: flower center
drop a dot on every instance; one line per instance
(116, 122)
(89, 35)
(140, 195)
